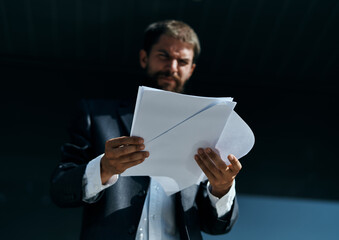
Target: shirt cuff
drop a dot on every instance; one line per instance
(224, 204)
(92, 185)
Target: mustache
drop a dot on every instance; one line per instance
(167, 74)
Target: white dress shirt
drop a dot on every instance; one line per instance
(158, 215)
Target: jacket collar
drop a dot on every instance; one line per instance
(125, 112)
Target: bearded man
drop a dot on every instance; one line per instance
(116, 207)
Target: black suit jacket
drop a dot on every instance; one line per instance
(116, 214)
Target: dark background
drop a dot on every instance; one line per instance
(278, 59)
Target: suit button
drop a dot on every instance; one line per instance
(132, 229)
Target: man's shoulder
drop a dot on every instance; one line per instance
(100, 102)
(104, 106)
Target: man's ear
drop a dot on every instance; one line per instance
(192, 69)
(143, 58)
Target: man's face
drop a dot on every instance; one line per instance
(169, 63)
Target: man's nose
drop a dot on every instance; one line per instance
(173, 66)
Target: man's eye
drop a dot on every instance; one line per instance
(183, 62)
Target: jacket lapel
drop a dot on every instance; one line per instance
(186, 214)
(188, 196)
(125, 112)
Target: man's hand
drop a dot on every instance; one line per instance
(120, 154)
(218, 173)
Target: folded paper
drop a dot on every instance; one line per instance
(175, 125)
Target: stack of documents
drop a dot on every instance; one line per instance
(175, 125)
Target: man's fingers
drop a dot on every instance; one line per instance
(120, 141)
(133, 157)
(212, 161)
(133, 163)
(204, 168)
(235, 164)
(209, 163)
(221, 165)
(121, 167)
(127, 149)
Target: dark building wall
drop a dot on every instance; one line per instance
(278, 59)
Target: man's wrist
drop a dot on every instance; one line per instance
(223, 204)
(220, 192)
(92, 179)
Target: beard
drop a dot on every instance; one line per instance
(153, 80)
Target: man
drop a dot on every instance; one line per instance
(118, 207)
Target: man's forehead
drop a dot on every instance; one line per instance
(173, 46)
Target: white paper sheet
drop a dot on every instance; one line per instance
(175, 125)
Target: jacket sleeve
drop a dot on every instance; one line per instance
(66, 180)
(209, 220)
